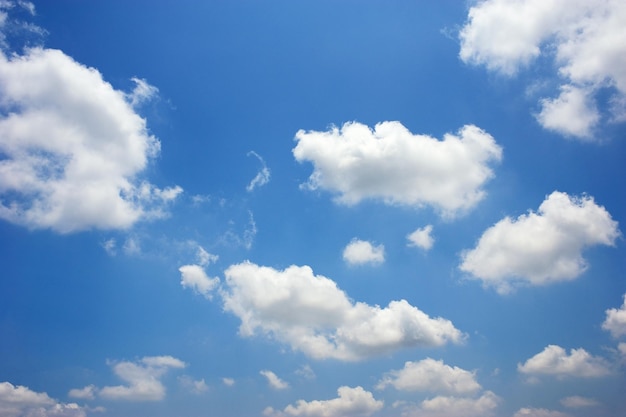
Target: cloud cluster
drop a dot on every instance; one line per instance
(615, 321)
(359, 252)
(142, 378)
(585, 39)
(351, 402)
(20, 401)
(555, 361)
(391, 164)
(443, 406)
(72, 147)
(312, 315)
(541, 248)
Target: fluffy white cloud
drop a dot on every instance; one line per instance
(555, 361)
(615, 321)
(352, 402)
(86, 393)
(73, 148)
(586, 39)
(274, 381)
(543, 247)
(20, 401)
(538, 412)
(578, 402)
(433, 376)
(422, 238)
(262, 177)
(312, 315)
(391, 164)
(194, 277)
(143, 379)
(359, 252)
(455, 406)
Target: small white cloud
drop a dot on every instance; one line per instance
(578, 402)
(538, 412)
(392, 165)
(541, 248)
(312, 315)
(194, 277)
(132, 246)
(20, 401)
(142, 93)
(262, 177)
(110, 246)
(305, 372)
(205, 258)
(274, 381)
(442, 406)
(422, 238)
(555, 361)
(192, 385)
(351, 402)
(359, 252)
(615, 321)
(86, 393)
(432, 376)
(573, 113)
(229, 382)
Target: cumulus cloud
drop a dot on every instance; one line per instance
(273, 380)
(422, 238)
(585, 39)
(311, 314)
(143, 379)
(538, 412)
(615, 321)
(578, 402)
(433, 376)
(359, 252)
(194, 277)
(442, 406)
(555, 361)
(262, 177)
(351, 402)
(73, 148)
(20, 401)
(541, 248)
(391, 164)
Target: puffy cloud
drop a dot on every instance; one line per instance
(455, 406)
(359, 252)
(431, 375)
(262, 177)
(143, 379)
(540, 248)
(615, 321)
(391, 164)
(194, 277)
(20, 401)
(578, 402)
(274, 381)
(586, 39)
(555, 361)
(312, 315)
(86, 393)
(422, 238)
(73, 148)
(352, 402)
(538, 412)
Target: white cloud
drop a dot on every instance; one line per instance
(205, 258)
(585, 39)
(194, 386)
(274, 381)
(359, 252)
(352, 402)
(194, 277)
(143, 379)
(540, 248)
(615, 321)
(391, 164)
(538, 412)
(305, 372)
(86, 393)
(73, 148)
(454, 406)
(229, 382)
(433, 376)
(578, 402)
(143, 92)
(555, 361)
(20, 401)
(262, 177)
(312, 315)
(422, 238)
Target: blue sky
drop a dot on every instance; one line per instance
(312, 208)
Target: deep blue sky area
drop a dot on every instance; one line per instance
(329, 208)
